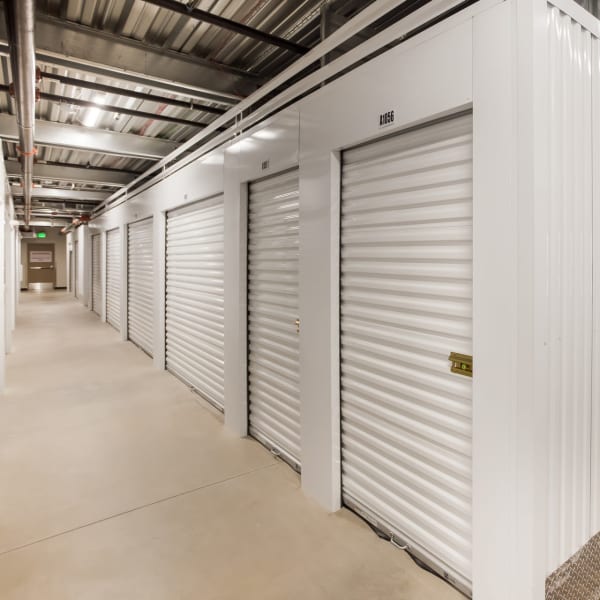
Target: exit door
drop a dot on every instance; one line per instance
(41, 274)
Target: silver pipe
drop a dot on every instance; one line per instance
(20, 21)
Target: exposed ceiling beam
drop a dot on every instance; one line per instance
(78, 137)
(45, 221)
(72, 173)
(146, 80)
(207, 17)
(60, 204)
(79, 43)
(119, 91)
(83, 195)
(47, 26)
(50, 213)
(54, 163)
(115, 109)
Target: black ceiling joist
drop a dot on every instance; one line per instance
(109, 89)
(115, 109)
(207, 17)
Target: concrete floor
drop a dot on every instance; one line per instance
(117, 482)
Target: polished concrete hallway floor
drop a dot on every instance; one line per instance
(117, 482)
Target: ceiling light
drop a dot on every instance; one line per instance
(93, 114)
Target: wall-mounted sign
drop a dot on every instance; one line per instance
(41, 234)
(386, 119)
(40, 256)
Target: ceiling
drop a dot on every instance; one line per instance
(125, 82)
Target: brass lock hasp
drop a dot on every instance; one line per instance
(462, 364)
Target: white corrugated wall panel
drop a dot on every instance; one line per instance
(273, 344)
(96, 274)
(140, 282)
(595, 470)
(406, 303)
(113, 278)
(570, 286)
(195, 297)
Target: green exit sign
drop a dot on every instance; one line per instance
(41, 234)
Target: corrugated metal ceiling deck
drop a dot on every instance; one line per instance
(237, 63)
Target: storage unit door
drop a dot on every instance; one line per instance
(75, 268)
(273, 344)
(406, 303)
(96, 275)
(194, 300)
(113, 278)
(140, 282)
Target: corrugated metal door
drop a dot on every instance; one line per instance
(96, 274)
(194, 299)
(406, 303)
(140, 297)
(273, 344)
(75, 268)
(113, 278)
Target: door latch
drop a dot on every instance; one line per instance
(462, 364)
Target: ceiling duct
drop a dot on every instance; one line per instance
(20, 20)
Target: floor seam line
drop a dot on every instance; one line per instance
(137, 508)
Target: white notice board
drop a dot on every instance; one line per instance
(40, 256)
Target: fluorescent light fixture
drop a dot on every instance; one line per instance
(93, 114)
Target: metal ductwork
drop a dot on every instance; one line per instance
(20, 21)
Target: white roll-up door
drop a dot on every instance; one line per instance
(140, 282)
(194, 298)
(273, 341)
(113, 278)
(406, 304)
(75, 268)
(96, 274)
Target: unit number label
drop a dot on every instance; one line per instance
(386, 119)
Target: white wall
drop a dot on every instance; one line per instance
(8, 275)
(5, 214)
(54, 236)
(83, 266)
(492, 57)
(11, 276)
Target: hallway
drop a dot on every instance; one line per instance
(117, 482)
